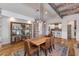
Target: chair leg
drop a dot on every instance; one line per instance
(49, 50)
(25, 53)
(29, 54)
(37, 53)
(45, 52)
(53, 46)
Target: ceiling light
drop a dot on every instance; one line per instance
(44, 22)
(29, 22)
(46, 12)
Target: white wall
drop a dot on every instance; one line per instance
(5, 21)
(65, 21)
(6, 29)
(53, 20)
(40, 28)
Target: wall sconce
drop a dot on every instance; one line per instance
(29, 22)
(11, 19)
(46, 12)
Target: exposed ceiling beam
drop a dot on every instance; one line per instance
(70, 12)
(60, 5)
(69, 8)
(64, 6)
(54, 7)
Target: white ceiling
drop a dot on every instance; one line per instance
(29, 9)
(50, 12)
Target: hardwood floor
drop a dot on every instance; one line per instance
(12, 48)
(71, 44)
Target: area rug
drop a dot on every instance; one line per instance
(59, 50)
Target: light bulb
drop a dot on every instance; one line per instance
(46, 13)
(29, 22)
(12, 19)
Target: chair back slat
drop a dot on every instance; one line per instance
(52, 40)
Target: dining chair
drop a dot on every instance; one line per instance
(71, 52)
(46, 46)
(52, 42)
(30, 49)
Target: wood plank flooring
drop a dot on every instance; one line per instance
(12, 48)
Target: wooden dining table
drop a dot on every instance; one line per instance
(38, 41)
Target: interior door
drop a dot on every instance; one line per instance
(75, 29)
(69, 31)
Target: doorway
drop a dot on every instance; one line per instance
(69, 31)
